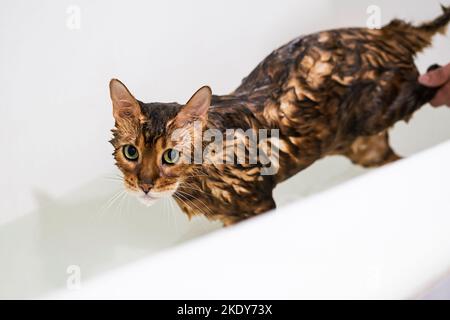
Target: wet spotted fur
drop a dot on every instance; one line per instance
(332, 92)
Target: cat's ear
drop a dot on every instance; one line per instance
(196, 108)
(125, 106)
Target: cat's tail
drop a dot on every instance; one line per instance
(417, 38)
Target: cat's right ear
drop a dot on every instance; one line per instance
(125, 106)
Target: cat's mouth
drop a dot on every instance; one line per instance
(151, 197)
(147, 199)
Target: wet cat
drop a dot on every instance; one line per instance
(333, 92)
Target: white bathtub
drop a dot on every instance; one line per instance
(381, 235)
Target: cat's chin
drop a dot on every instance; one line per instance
(147, 200)
(150, 199)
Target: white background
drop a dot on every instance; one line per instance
(55, 111)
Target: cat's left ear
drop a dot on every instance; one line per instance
(196, 108)
(125, 106)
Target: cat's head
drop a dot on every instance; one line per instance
(152, 141)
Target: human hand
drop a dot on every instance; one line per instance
(439, 77)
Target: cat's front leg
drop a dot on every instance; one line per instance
(250, 209)
(371, 151)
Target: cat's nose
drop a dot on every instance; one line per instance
(145, 187)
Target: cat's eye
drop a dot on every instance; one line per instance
(130, 152)
(171, 156)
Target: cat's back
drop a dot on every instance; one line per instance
(343, 56)
(317, 85)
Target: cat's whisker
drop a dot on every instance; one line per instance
(173, 214)
(201, 224)
(190, 195)
(177, 196)
(111, 201)
(177, 228)
(190, 187)
(197, 175)
(211, 213)
(122, 204)
(166, 209)
(114, 177)
(186, 195)
(117, 207)
(129, 206)
(168, 214)
(172, 219)
(173, 205)
(199, 172)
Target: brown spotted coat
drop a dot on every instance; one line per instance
(334, 92)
